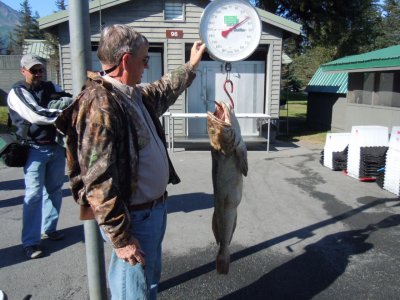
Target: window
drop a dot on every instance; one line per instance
(355, 88)
(388, 93)
(173, 10)
(368, 88)
(378, 88)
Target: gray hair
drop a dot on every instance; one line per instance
(118, 39)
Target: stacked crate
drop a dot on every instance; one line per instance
(364, 136)
(372, 160)
(335, 150)
(391, 181)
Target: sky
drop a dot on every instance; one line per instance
(43, 7)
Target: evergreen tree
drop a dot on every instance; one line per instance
(349, 26)
(305, 65)
(330, 30)
(27, 29)
(60, 4)
(2, 45)
(390, 25)
(11, 42)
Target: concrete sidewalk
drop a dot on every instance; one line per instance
(303, 232)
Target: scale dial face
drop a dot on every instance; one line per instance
(231, 29)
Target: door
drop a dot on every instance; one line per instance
(248, 79)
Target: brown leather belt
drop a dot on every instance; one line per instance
(147, 205)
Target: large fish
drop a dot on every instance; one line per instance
(229, 163)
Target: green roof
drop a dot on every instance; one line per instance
(383, 59)
(323, 82)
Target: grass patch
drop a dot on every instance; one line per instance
(298, 129)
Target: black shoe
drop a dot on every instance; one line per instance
(54, 236)
(33, 252)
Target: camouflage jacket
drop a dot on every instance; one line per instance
(104, 137)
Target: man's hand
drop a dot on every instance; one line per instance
(131, 253)
(196, 53)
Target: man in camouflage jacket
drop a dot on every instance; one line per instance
(117, 157)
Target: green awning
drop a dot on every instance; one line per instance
(324, 82)
(383, 59)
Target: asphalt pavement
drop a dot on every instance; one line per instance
(303, 232)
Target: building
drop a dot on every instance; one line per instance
(171, 28)
(372, 96)
(326, 103)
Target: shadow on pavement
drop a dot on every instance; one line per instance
(9, 185)
(18, 184)
(20, 199)
(312, 272)
(189, 202)
(11, 202)
(301, 233)
(15, 254)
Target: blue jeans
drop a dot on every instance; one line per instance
(44, 177)
(135, 282)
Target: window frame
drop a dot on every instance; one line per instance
(357, 92)
(183, 11)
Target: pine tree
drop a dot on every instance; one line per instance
(60, 4)
(27, 29)
(2, 45)
(390, 26)
(330, 30)
(349, 26)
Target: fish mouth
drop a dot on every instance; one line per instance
(220, 130)
(222, 114)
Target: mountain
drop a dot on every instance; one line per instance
(8, 16)
(8, 19)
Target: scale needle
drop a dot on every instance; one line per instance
(226, 32)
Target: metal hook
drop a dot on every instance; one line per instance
(227, 93)
(228, 68)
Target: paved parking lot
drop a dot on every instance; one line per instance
(303, 232)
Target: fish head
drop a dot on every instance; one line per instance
(220, 128)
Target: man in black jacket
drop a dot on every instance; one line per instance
(31, 105)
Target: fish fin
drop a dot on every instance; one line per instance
(215, 228)
(241, 154)
(233, 230)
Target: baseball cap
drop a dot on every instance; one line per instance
(29, 60)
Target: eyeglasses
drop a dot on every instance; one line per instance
(145, 61)
(36, 71)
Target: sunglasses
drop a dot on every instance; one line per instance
(102, 73)
(36, 71)
(146, 60)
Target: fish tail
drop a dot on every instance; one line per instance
(223, 260)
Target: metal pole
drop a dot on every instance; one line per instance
(80, 62)
(95, 261)
(79, 41)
